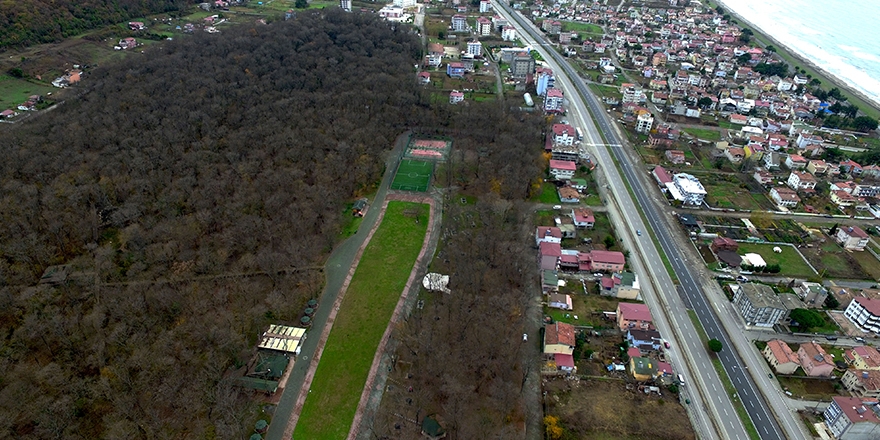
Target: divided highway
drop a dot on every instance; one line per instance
(717, 406)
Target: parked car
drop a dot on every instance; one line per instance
(860, 339)
(742, 279)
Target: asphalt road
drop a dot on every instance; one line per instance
(691, 293)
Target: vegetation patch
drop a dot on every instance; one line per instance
(369, 302)
(789, 260)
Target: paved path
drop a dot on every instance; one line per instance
(336, 270)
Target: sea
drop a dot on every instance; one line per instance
(839, 36)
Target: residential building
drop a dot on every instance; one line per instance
(795, 162)
(623, 285)
(642, 369)
(634, 316)
(863, 358)
(866, 190)
(784, 197)
(455, 97)
(484, 26)
(817, 166)
(690, 188)
(644, 340)
(865, 314)
(862, 383)
(781, 357)
(852, 418)
(564, 134)
(735, 154)
(568, 194)
(549, 281)
(566, 152)
(724, 244)
(758, 304)
(404, 3)
(763, 177)
(843, 198)
(772, 160)
(459, 23)
(814, 360)
(562, 169)
(345, 5)
(485, 6)
(522, 65)
(812, 294)
(632, 94)
(508, 33)
(455, 70)
(475, 48)
(851, 238)
(583, 218)
(644, 122)
(553, 101)
(675, 156)
(544, 80)
(799, 180)
(127, 43)
(850, 167)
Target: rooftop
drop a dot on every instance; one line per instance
(634, 312)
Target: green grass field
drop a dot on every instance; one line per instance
(548, 194)
(705, 134)
(413, 175)
(14, 91)
(791, 263)
(586, 28)
(369, 302)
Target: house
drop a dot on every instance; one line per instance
(508, 33)
(781, 357)
(812, 294)
(863, 358)
(850, 167)
(758, 304)
(799, 180)
(772, 160)
(455, 70)
(661, 176)
(549, 255)
(644, 340)
(7, 113)
(583, 218)
(553, 101)
(455, 97)
(559, 338)
(738, 119)
(127, 43)
(814, 360)
(852, 238)
(424, 78)
(624, 285)
(784, 197)
(724, 244)
(549, 281)
(634, 316)
(568, 194)
(735, 154)
(865, 314)
(763, 177)
(644, 122)
(564, 134)
(690, 188)
(550, 234)
(862, 383)
(359, 208)
(559, 301)
(795, 162)
(852, 418)
(843, 198)
(817, 166)
(675, 156)
(642, 369)
(562, 169)
(136, 25)
(605, 261)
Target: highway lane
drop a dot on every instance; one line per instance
(717, 409)
(746, 388)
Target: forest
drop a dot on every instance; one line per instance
(192, 196)
(24, 23)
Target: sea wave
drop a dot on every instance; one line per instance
(836, 36)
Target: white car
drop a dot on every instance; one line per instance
(525, 337)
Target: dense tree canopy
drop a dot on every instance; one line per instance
(28, 22)
(193, 192)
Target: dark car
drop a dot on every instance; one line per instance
(831, 338)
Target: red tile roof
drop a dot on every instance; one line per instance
(559, 333)
(563, 165)
(635, 312)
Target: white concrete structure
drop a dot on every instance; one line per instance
(865, 314)
(690, 188)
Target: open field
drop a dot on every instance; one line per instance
(14, 91)
(729, 196)
(834, 262)
(605, 409)
(704, 133)
(548, 194)
(369, 302)
(789, 260)
(587, 308)
(809, 389)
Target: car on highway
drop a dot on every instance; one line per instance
(639, 232)
(681, 380)
(770, 375)
(666, 343)
(831, 338)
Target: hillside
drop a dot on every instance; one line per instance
(28, 22)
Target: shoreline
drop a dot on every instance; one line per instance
(865, 103)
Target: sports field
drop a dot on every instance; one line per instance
(369, 302)
(413, 175)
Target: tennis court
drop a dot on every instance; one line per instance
(413, 175)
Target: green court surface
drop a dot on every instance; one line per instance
(413, 175)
